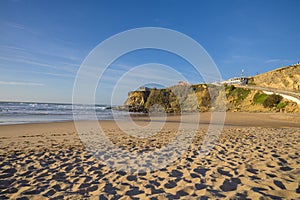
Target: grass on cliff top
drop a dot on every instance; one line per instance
(240, 93)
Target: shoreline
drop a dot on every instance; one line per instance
(236, 119)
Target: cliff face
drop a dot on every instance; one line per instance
(136, 101)
(174, 99)
(200, 97)
(286, 78)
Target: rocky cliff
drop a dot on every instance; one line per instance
(285, 78)
(203, 97)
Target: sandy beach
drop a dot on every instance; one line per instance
(256, 155)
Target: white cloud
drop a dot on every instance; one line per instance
(20, 83)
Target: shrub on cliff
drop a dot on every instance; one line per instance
(259, 97)
(272, 101)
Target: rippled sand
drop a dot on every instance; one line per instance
(257, 155)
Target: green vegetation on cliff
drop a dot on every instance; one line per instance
(239, 93)
(259, 97)
(269, 101)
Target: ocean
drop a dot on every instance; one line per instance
(32, 112)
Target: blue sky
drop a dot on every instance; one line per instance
(43, 43)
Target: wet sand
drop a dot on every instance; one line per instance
(257, 155)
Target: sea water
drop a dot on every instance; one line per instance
(32, 112)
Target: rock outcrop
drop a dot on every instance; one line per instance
(203, 98)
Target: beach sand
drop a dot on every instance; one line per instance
(257, 155)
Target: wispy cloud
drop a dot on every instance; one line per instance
(277, 60)
(25, 61)
(57, 66)
(14, 25)
(20, 83)
(11, 47)
(48, 47)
